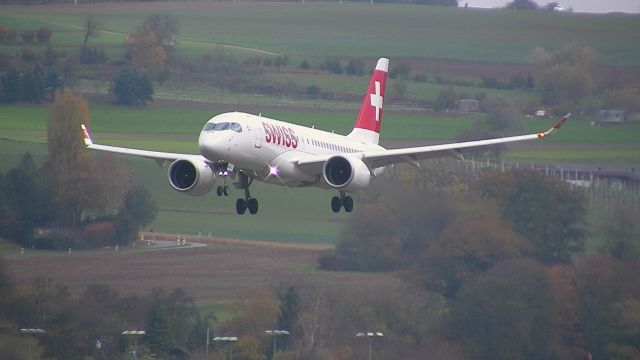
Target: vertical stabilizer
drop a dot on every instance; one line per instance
(367, 127)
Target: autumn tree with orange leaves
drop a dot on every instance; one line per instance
(146, 52)
(82, 185)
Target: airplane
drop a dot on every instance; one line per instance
(242, 148)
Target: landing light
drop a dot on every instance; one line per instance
(273, 170)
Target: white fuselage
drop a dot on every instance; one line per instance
(266, 148)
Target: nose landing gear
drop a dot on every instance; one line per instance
(223, 190)
(345, 201)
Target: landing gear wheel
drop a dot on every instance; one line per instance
(241, 206)
(248, 202)
(347, 202)
(252, 204)
(219, 190)
(225, 190)
(336, 204)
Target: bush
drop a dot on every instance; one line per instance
(333, 65)
(27, 36)
(305, 65)
(355, 67)
(400, 70)
(43, 35)
(131, 87)
(313, 91)
(11, 35)
(54, 242)
(92, 56)
(281, 61)
(99, 234)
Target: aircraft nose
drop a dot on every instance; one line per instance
(213, 146)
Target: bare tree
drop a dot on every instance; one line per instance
(90, 27)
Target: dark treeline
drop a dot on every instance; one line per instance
(505, 255)
(90, 325)
(28, 86)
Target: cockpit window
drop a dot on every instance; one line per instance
(222, 126)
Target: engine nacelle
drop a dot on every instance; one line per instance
(346, 173)
(191, 177)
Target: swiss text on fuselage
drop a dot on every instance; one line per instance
(280, 135)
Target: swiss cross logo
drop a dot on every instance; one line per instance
(376, 100)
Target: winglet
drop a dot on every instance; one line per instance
(555, 127)
(86, 136)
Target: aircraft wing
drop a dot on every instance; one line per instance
(411, 155)
(159, 156)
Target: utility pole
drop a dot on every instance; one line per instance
(275, 334)
(370, 335)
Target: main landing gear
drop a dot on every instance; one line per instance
(248, 202)
(345, 201)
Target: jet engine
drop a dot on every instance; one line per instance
(192, 177)
(346, 173)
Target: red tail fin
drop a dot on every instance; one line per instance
(370, 117)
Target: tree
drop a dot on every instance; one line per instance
(469, 245)
(522, 5)
(159, 330)
(248, 348)
(354, 67)
(333, 65)
(446, 100)
(43, 35)
(254, 313)
(26, 203)
(501, 116)
(33, 85)
(569, 77)
(90, 27)
(289, 308)
(81, 185)
(64, 140)
(453, 3)
(146, 53)
(401, 70)
(598, 287)
(622, 235)
(27, 36)
(506, 314)
(165, 29)
(564, 86)
(542, 209)
(140, 206)
(12, 85)
(627, 99)
(396, 229)
(131, 87)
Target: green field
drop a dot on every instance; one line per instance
(310, 31)
(358, 30)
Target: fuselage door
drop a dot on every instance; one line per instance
(258, 133)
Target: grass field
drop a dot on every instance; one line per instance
(172, 125)
(320, 30)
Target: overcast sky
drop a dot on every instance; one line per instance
(595, 6)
